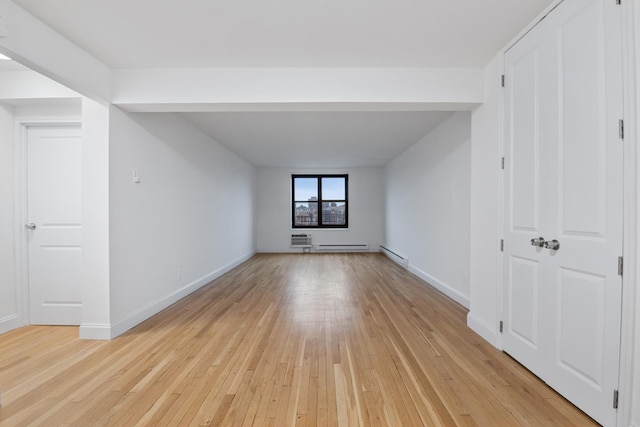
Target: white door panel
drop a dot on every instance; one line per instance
(563, 151)
(589, 215)
(523, 192)
(525, 141)
(579, 336)
(524, 310)
(54, 207)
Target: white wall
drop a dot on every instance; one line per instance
(188, 220)
(427, 206)
(96, 319)
(485, 255)
(65, 110)
(8, 295)
(366, 210)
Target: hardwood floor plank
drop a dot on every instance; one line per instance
(282, 340)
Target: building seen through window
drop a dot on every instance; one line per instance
(319, 201)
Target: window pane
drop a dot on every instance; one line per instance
(319, 201)
(333, 188)
(333, 213)
(305, 189)
(306, 214)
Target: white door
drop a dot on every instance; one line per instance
(54, 224)
(524, 197)
(563, 156)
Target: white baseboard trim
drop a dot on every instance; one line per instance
(483, 329)
(95, 331)
(9, 323)
(447, 290)
(153, 308)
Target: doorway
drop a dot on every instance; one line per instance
(52, 222)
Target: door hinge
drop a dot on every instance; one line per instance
(502, 80)
(615, 399)
(501, 326)
(621, 129)
(501, 245)
(502, 163)
(620, 265)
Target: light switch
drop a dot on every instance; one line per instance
(136, 177)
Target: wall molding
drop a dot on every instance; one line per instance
(95, 331)
(9, 323)
(107, 332)
(480, 327)
(442, 287)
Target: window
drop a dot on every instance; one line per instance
(319, 201)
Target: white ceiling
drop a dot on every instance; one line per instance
(288, 33)
(318, 139)
(296, 33)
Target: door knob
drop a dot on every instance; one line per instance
(30, 226)
(538, 241)
(553, 245)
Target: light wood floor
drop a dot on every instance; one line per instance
(281, 340)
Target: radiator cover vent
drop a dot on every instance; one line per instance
(362, 247)
(301, 240)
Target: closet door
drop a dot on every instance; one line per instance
(563, 305)
(528, 100)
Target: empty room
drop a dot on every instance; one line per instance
(310, 213)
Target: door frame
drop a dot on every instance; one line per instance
(21, 135)
(631, 183)
(631, 223)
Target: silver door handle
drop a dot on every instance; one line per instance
(538, 241)
(30, 226)
(553, 245)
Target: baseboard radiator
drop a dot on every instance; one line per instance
(301, 241)
(394, 256)
(346, 247)
(304, 242)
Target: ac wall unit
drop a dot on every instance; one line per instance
(301, 240)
